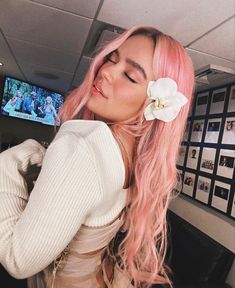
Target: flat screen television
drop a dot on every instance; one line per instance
(28, 101)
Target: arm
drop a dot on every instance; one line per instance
(65, 192)
(28, 106)
(54, 111)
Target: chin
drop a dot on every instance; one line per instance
(99, 118)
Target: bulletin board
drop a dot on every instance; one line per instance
(207, 154)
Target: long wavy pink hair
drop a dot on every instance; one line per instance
(143, 249)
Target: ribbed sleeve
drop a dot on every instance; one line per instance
(62, 198)
(80, 182)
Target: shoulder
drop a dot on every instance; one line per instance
(96, 140)
(84, 128)
(92, 134)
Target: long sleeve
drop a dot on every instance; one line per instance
(34, 230)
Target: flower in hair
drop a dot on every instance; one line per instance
(166, 100)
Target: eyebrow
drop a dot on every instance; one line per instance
(133, 64)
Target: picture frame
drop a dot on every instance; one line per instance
(217, 101)
(192, 158)
(179, 184)
(226, 163)
(221, 193)
(186, 132)
(203, 189)
(213, 130)
(181, 155)
(208, 160)
(197, 130)
(231, 103)
(188, 183)
(233, 206)
(202, 103)
(229, 131)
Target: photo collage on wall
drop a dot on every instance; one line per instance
(206, 157)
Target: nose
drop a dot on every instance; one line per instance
(107, 72)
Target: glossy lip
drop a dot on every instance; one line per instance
(98, 90)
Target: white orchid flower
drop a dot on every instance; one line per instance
(167, 101)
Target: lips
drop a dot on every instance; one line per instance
(98, 90)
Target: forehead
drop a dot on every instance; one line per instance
(140, 49)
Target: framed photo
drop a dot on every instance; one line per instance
(181, 156)
(188, 183)
(229, 131)
(221, 195)
(192, 159)
(212, 130)
(201, 103)
(217, 101)
(190, 112)
(196, 135)
(179, 184)
(186, 132)
(231, 104)
(208, 160)
(226, 163)
(233, 207)
(203, 189)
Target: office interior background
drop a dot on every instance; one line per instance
(50, 44)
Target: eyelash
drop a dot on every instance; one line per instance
(124, 73)
(131, 79)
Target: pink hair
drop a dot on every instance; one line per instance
(143, 249)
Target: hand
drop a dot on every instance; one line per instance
(24, 155)
(33, 114)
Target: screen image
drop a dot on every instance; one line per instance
(30, 102)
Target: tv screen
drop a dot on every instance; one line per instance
(30, 102)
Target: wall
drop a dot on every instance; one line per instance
(211, 222)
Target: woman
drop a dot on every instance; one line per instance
(13, 104)
(49, 111)
(112, 171)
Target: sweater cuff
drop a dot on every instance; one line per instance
(24, 155)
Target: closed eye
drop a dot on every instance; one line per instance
(112, 61)
(128, 77)
(109, 59)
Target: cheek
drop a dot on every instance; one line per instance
(136, 101)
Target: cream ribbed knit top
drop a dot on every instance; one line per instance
(80, 182)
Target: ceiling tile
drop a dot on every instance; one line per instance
(44, 56)
(80, 7)
(219, 42)
(5, 52)
(185, 20)
(10, 67)
(43, 25)
(81, 70)
(201, 59)
(35, 74)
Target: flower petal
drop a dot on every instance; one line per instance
(148, 112)
(176, 100)
(150, 84)
(163, 88)
(180, 99)
(167, 114)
